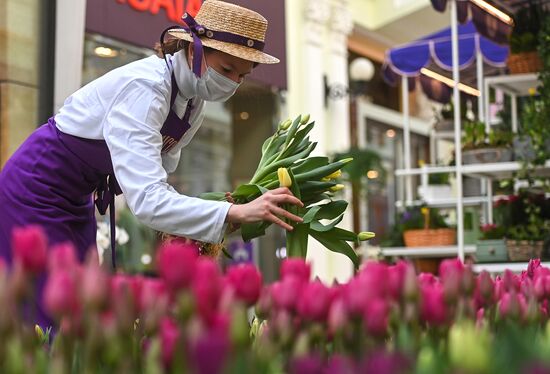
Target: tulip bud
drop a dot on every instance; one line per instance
(334, 175)
(284, 125)
(338, 187)
(284, 177)
(39, 332)
(29, 248)
(304, 120)
(365, 235)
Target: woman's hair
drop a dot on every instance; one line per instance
(174, 45)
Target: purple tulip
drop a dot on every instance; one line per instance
(381, 362)
(29, 248)
(246, 280)
(314, 302)
(376, 317)
(169, 335)
(60, 296)
(207, 354)
(338, 364)
(310, 364)
(433, 308)
(296, 267)
(176, 263)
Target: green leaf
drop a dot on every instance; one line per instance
(315, 186)
(248, 191)
(216, 196)
(227, 254)
(309, 164)
(343, 234)
(336, 245)
(311, 213)
(321, 172)
(297, 141)
(332, 210)
(253, 230)
(296, 240)
(318, 226)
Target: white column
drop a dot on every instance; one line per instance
(406, 138)
(338, 116)
(69, 48)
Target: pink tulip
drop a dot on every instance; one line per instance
(314, 302)
(176, 263)
(246, 280)
(427, 279)
(310, 364)
(207, 287)
(337, 317)
(534, 264)
(60, 294)
(265, 303)
(539, 288)
(376, 317)
(374, 277)
(396, 279)
(286, 292)
(339, 364)
(451, 272)
(480, 314)
(62, 257)
(94, 286)
(511, 282)
(152, 291)
(296, 267)
(526, 287)
(433, 308)
(170, 336)
(30, 247)
(484, 291)
(512, 305)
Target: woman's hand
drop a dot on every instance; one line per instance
(266, 208)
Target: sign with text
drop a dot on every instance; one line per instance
(140, 22)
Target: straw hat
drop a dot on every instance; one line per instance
(242, 24)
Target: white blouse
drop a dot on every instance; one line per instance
(127, 108)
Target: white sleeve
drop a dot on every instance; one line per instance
(131, 130)
(171, 159)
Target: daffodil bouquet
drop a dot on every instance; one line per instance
(286, 162)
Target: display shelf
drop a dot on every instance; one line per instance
(515, 267)
(515, 84)
(440, 251)
(494, 170)
(447, 202)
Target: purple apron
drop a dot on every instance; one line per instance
(50, 181)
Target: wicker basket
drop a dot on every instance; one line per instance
(525, 62)
(524, 250)
(429, 237)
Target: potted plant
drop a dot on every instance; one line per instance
(524, 39)
(425, 227)
(479, 147)
(438, 187)
(491, 247)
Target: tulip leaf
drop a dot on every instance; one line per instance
(332, 209)
(248, 192)
(310, 215)
(297, 142)
(315, 186)
(336, 245)
(318, 226)
(216, 196)
(296, 240)
(321, 171)
(253, 230)
(309, 164)
(343, 234)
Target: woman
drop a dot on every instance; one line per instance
(124, 133)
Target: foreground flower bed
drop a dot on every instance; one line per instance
(193, 318)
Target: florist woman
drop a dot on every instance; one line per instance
(124, 132)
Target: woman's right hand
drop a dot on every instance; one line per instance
(266, 208)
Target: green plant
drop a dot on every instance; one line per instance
(474, 135)
(439, 178)
(491, 231)
(500, 138)
(528, 22)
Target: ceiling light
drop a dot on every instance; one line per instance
(449, 82)
(390, 133)
(372, 174)
(105, 52)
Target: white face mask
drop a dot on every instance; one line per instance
(213, 86)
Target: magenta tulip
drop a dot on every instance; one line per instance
(337, 316)
(60, 296)
(296, 267)
(152, 291)
(208, 353)
(376, 317)
(207, 287)
(246, 281)
(169, 335)
(396, 279)
(286, 292)
(62, 257)
(314, 302)
(176, 263)
(30, 247)
(433, 308)
(484, 295)
(94, 286)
